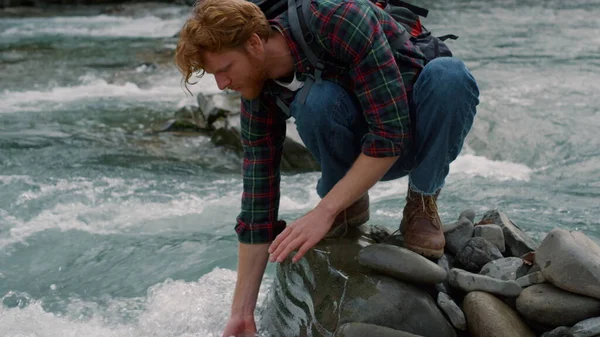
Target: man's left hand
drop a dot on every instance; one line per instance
(302, 234)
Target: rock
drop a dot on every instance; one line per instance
(587, 328)
(379, 234)
(493, 234)
(452, 311)
(561, 331)
(509, 268)
(180, 126)
(327, 288)
(218, 105)
(517, 242)
(553, 307)
(296, 158)
(371, 330)
(531, 279)
(476, 253)
(401, 263)
(444, 262)
(488, 316)
(468, 214)
(571, 261)
(469, 282)
(228, 138)
(457, 234)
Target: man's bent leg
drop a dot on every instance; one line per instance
(331, 125)
(445, 97)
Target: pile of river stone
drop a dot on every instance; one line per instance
(493, 281)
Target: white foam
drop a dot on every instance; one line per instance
(479, 166)
(171, 309)
(98, 26)
(91, 88)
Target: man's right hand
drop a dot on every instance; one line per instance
(240, 327)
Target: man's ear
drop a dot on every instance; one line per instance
(255, 45)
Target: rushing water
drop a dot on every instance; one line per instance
(106, 231)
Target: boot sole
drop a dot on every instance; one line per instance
(431, 253)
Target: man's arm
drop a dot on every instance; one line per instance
(263, 134)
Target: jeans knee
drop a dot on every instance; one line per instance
(450, 79)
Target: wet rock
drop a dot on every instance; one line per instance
(476, 253)
(493, 234)
(379, 234)
(587, 328)
(469, 282)
(531, 279)
(509, 268)
(458, 233)
(570, 260)
(452, 311)
(488, 316)
(401, 264)
(371, 330)
(551, 306)
(218, 105)
(328, 288)
(517, 242)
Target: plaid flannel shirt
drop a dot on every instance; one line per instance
(357, 36)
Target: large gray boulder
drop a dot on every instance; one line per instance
(329, 288)
(571, 261)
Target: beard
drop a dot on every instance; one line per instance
(256, 78)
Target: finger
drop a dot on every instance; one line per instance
(278, 239)
(293, 236)
(305, 247)
(289, 248)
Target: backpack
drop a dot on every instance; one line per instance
(404, 13)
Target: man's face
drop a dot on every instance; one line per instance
(241, 70)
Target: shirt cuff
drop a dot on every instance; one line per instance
(377, 146)
(258, 233)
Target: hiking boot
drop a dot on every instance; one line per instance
(353, 216)
(421, 226)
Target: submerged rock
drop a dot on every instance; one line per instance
(553, 307)
(488, 316)
(571, 261)
(328, 288)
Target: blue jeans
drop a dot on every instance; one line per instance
(443, 105)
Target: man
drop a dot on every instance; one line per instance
(386, 117)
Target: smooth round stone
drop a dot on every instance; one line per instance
(488, 316)
(401, 263)
(571, 261)
(371, 330)
(549, 305)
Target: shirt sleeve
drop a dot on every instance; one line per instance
(263, 131)
(354, 33)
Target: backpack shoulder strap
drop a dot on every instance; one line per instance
(298, 12)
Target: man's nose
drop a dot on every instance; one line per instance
(222, 81)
